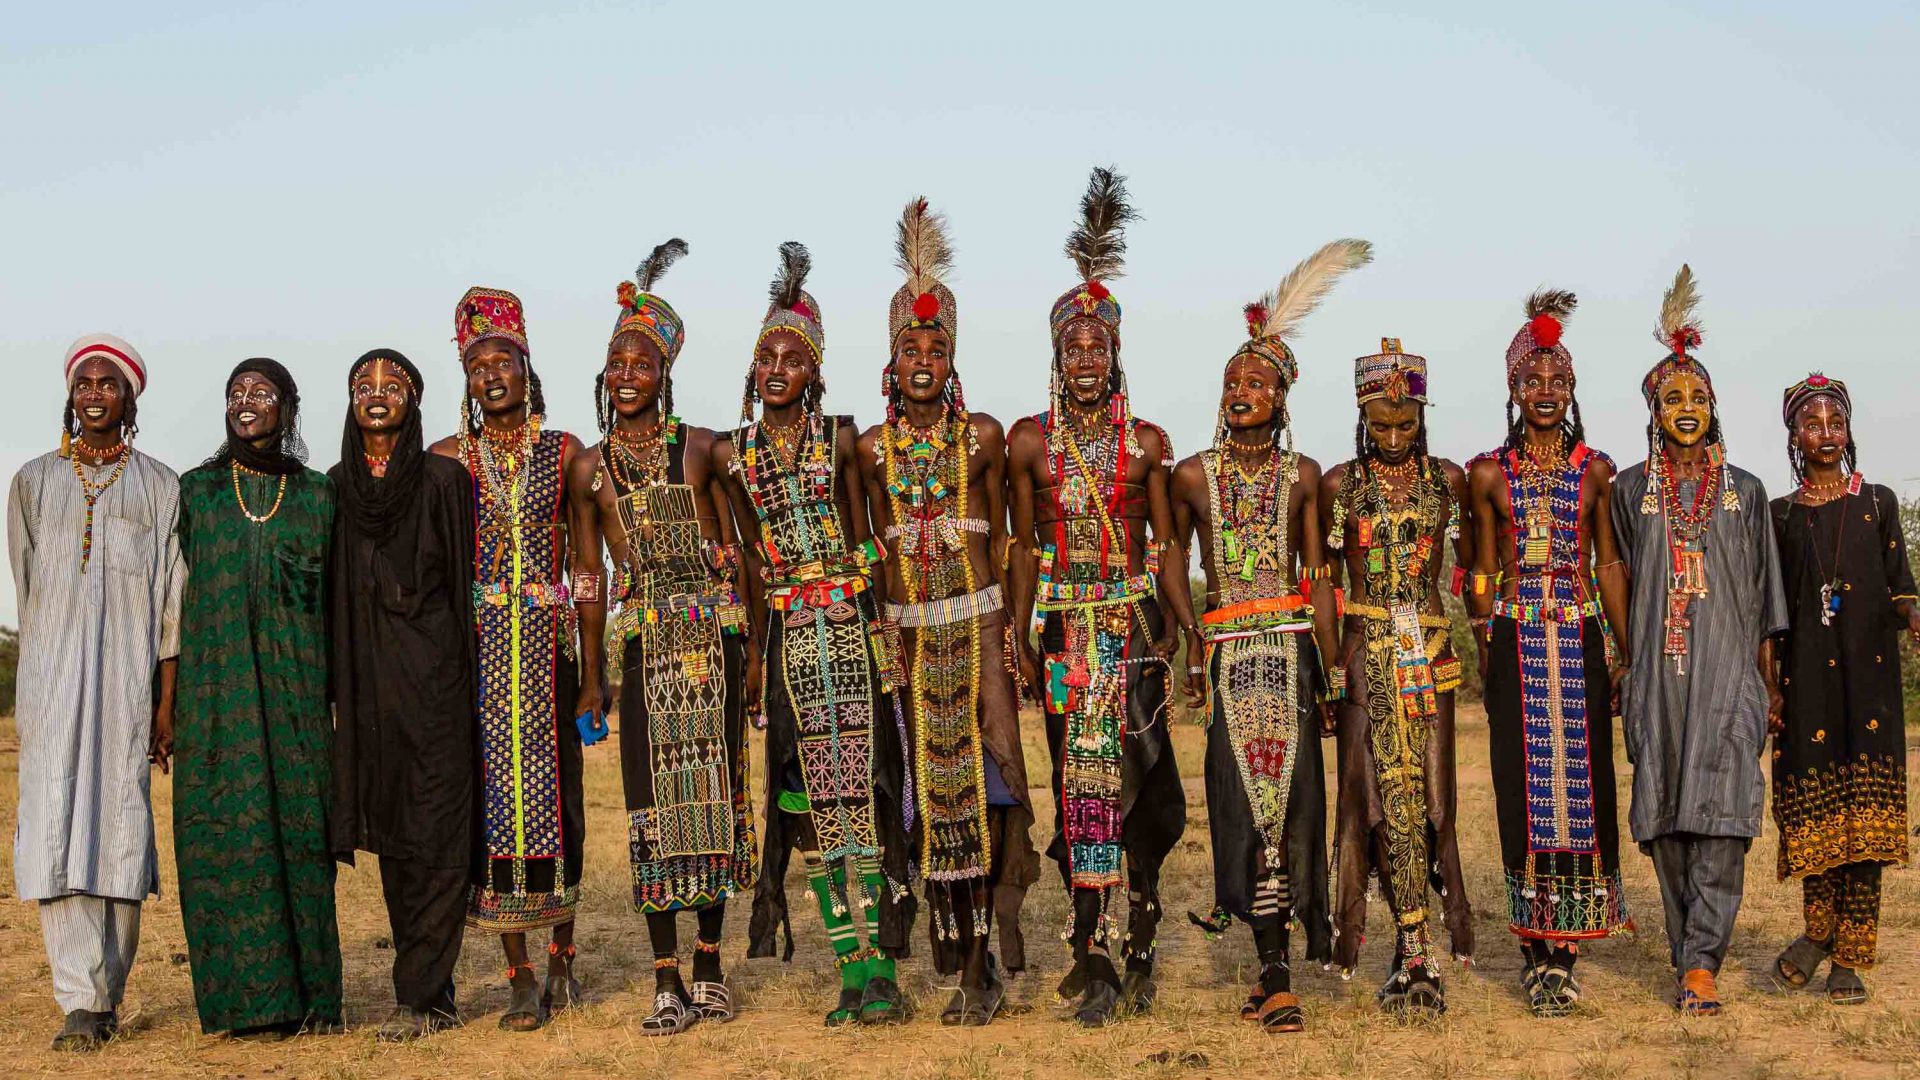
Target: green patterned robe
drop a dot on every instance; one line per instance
(252, 753)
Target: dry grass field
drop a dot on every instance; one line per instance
(1625, 1029)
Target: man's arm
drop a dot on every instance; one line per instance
(1173, 594)
(587, 570)
(731, 500)
(846, 446)
(1023, 549)
(1188, 477)
(1483, 574)
(1609, 565)
(993, 447)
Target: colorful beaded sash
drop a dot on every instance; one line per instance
(1087, 679)
(1561, 892)
(826, 657)
(520, 552)
(1254, 664)
(926, 475)
(694, 845)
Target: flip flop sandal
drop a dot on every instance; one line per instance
(1280, 1013)
(712, 1001)
(670, 1016)
(1698, 995)
(848, 1011)
(1556, 993)
(1073, 986)
(1796, 965)
(882, 1003)
(1250, 1008)
(1392, 995)
(956, 1008)
(1844, 986)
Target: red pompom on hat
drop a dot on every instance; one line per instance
(804, 308)
(926, 306)
(1546, 331)
(1097, 290)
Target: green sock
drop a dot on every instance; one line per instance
(879, 964)
(839, 922)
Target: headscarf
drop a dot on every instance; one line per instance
(372, 504)
(287, 453)
(114, 350)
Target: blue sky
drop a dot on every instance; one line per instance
(309, 182)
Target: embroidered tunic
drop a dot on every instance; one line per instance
(532, 812)
(683, 751)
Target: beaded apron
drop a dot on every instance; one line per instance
(1256, 676)
(1396, 544)
(820, 593)
(694, 845)
(1083, 579)
(525, 619)
(1561, 892)
(927, 490)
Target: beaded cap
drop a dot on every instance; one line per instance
(485, 313)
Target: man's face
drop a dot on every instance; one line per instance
(633, 373)
(1820, 429)
(99, 396)
(1686, 409)
(1251, 393)
(380, 397)
(253, 408)
(782, 367)
(1394, 426)
(1086, 361)
(496, 376)
(1543, 388)
(923, 362)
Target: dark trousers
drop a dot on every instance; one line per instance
(1702, 879)
(427, 909)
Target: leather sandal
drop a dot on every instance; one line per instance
(670, 1016)
(525, 1010)
(883, 1003)
(848, 1011)
(1797, 964)
(561, 994)
(1098, 1005)
(1844, 986)
(1698, 994)
(712, 1001)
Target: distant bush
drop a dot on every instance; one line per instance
(9, 661)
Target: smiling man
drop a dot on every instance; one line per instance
(1254, 654)
(1707, 598)
(1543, 521)
(404, 680)
(680, 641)
(98, 575)
(1391, 510)
(542, 690)
(1087, 480)
(838, 785)
(935, 477)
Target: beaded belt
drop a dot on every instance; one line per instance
(1051, 595)
(536, 594)
(971, 525)
(1287, 614)
(1380, 614)
(689, 607)
(1546, 613)
(856, 562)
(946, 612)
(824, 592)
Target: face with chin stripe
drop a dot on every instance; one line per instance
(496, 376)
(923, 364)
(633, 374)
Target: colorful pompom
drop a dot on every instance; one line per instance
(1256, 320)
(625, 294)
(925, 307)
(1546, 331)
(1097, 290)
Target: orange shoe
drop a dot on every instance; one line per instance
(1698, 995)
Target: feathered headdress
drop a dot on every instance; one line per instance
(643, 312)
(1277, 314)
(922, 252)
(1547, 313)
(790, 306)
(1098, 247)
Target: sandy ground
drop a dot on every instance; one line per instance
(1625, 1028)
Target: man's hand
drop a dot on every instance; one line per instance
(1619, 680)
(1480, 648)
(1029, 663)
(1776, 713)
(1329, 716)
(752, 688)
(1167, 644)
(592, 702)
(1913, 621)
(160, 743)
(1196, 673)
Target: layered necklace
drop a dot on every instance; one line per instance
(1686, 528)
(1539, 469)
(505, 453)
(785, 442)
(278, 497)
(1820, 495)
(92, 491)
(640, 459)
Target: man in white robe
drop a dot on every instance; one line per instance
(98, 574)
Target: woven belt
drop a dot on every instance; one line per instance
(536, 594)
(1051, 596)
(1546, 613)
(1380, 614)
(1285, 614)
(946, 612)
(971, 525)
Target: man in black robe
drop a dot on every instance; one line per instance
(402, 642)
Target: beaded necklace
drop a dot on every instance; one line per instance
(92, 492)
(279, 495)
(1686, 530)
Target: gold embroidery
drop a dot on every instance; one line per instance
(1838, 814)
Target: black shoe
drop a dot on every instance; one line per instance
(1073, 985)
(883, 1003)
(402, 1025)
(82, 1033)
(1136, 993)
(848, 1011)
(1098, 1006)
